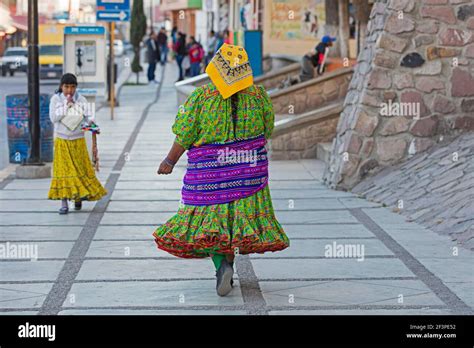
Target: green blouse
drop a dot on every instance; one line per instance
(207, 118)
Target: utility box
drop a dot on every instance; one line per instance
(85, 57)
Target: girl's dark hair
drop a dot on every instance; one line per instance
(67, 79)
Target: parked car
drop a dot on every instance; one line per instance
(51, 62)
(15, 59)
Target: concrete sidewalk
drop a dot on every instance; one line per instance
(103, 260)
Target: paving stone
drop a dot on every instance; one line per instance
(391, 311)
(125, 249)
(23, 296)
(145, 311)
(45, 219)
(11, 233)
(317, 248)
(145, 269)
(301, 217)
(125, 232)
(327, 231)
(30, 270)
(330, 268)
(358, 292)
(151, 294)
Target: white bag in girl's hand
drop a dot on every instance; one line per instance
(73, 118)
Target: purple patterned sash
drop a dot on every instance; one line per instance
(222, 173)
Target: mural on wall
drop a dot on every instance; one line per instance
(297, 19)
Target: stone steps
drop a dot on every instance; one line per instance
(323, 152)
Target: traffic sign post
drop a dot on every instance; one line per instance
(113, 16)
(112, 11)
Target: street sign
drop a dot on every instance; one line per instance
(113, 10)
(113, 5)
(113, 16)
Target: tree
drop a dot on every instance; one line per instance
(137, 32)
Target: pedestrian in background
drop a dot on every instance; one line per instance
(153, 56)
(163, 45)
(174, 35)
(181, 52)
(322, 52)
(196, 54)
(211, 46)
(73, 175)
(223, 38)
(308, 63)
(230, 211)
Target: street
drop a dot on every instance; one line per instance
(103, 259)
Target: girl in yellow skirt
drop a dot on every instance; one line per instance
(73, 175)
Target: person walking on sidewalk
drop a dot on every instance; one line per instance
(153, 55)
(73, 175)
(196, 54)
(163, 45)
(211, 46)
(226, 204)
(181, 52)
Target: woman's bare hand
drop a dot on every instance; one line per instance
(165, 168)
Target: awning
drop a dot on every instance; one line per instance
(9, 23)
(6, 21)
(173, 5)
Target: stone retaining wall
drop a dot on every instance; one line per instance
(420, 54)
(313, 94)
(299, 137)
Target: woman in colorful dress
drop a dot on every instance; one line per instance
(226, 205)
(73, 175)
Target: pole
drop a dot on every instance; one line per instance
(69, 9)
(151, 14)
(112, 77)
(33, 84)
(344, 27)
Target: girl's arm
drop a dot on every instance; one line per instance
(166, 167)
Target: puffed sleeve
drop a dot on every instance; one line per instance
(56, 109)
(268, 114)
(186, 125)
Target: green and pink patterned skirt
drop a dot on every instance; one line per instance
(227, 205)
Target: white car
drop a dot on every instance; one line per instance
(14, 59)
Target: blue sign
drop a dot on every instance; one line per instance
(84, 30)
(113, 5)
(253, 46)
(113, 16)
(113, 10)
